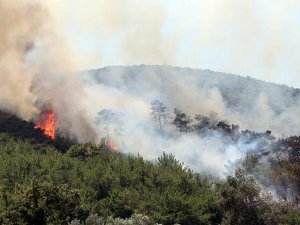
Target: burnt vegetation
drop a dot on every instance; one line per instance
(45, 181)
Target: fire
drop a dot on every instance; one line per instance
(112, 145)
(47, 123)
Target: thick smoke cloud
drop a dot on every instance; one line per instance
(39, 54)
(35, 66)
(128, 91)
(20, 25)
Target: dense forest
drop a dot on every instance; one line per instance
(45, 181)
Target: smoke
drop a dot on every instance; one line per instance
(20, 25)
(128, 91)
(256, 38)
(35, 66)
(43, 43)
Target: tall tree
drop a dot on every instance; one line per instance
(106, 117)
(159, 114)
(182, 121)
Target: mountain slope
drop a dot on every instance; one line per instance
(235, 89)
(238, 99)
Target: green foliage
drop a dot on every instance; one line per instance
(83, 151)
(245, 203)
(39, 203)
(107, 184)
(289, 217)
(136, 219)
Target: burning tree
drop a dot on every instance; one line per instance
(46, 123)
(108, 118)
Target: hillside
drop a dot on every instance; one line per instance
(141, 142)
(41, 183)
(239, 93)
(199, 167)
(24, 130)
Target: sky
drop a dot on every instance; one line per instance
(258, 38)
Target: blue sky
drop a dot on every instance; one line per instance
(258, 38)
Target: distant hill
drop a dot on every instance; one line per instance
(237, 91)
(251, 103)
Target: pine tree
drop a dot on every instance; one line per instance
(159, 114)
(182, 121)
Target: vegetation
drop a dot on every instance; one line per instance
(98, 182)
(51, 182)
(182, 121)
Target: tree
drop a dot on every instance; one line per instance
(182, 121)
(108, 118)
(292, 146)
(83, 151)
(224, 126)
(245, 203)
(41, 203)
(202, 123)
(159, 114)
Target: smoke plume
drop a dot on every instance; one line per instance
(43, 44)
(35, 66)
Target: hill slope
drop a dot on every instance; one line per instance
(88, 185)
(238, 92)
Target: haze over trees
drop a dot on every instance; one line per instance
(196, 90)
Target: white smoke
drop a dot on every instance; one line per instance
(38, 58)
(128, 91)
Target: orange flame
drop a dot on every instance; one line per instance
(47, 123)
(112, 145)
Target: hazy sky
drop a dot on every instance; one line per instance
(257, 38)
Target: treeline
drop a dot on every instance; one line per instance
(167, 121)
(204, 125)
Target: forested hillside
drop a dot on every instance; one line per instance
(103, 120)
(50, 182)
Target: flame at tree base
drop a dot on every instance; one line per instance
(112, 146)
(47, 123)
